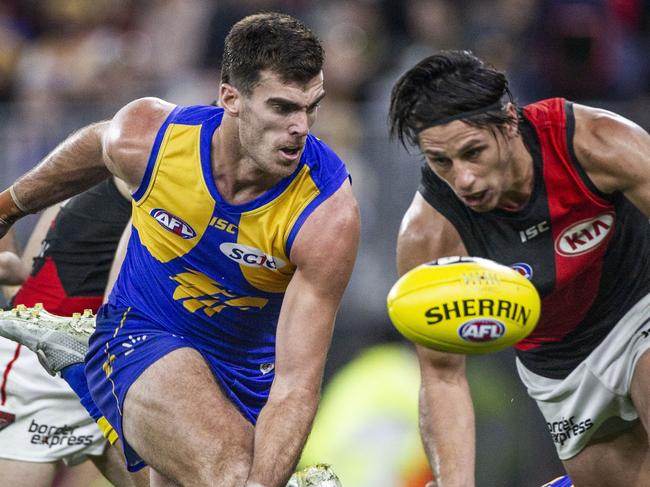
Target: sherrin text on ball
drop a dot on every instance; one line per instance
(464, 305)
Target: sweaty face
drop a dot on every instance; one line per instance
(275, 120)
(477, 163)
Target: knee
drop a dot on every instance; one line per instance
(224, 467)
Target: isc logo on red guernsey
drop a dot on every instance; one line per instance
(585, 235)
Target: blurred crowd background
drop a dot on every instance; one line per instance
(65, 63)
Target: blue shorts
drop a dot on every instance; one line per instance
(126, 343)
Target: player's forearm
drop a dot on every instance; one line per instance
(447, 426)
(72, 167)
(280, 435)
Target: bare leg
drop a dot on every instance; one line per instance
(622, 460)
(13, 472)
(81, 475)
(179, 420)
(112, 465)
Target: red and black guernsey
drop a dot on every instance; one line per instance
(71, 271)
(586, 252)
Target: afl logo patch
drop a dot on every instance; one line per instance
(250, 256)
(173, 223)
(585, 235)
(482, 330)
(523, 269)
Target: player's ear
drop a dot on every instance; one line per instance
(229, 99)
(512, 128)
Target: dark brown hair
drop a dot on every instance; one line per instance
(270, 41)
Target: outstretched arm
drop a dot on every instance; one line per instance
(324, 253)
(120, 146)
(446, 410)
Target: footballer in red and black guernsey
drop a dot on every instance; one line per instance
(560, 192)
(69, 274)
(71, 270)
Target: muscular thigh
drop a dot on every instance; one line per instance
(177, 417)
(17, 473)
(640, 388)
(621, 460)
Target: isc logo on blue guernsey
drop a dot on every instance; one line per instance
(173, 223)
(250, 256)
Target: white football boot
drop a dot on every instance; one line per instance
(58, 341)
(320, 475)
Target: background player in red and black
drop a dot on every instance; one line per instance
(69, 274)
(560, 192)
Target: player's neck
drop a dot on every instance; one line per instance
(238, 179)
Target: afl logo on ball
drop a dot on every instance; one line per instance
(585, 235)
(173, 223)
(482, 330)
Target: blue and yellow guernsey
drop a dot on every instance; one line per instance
(207, 270)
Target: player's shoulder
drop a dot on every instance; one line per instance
(137, 123)
(597, 121)
(332, 230)
(601, 142)
(143, 113)
(129, 137)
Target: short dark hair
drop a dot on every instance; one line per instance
(444, 87)
(270, 41)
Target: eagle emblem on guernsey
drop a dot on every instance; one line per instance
(196, 291)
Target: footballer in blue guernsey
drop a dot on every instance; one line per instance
(207, 359)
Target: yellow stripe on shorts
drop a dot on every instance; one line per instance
(107, 430)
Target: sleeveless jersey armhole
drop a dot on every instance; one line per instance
(570, 132)
(139, 193)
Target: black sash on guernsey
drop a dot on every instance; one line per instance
(558, 347)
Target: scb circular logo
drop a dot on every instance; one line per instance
(482, 330)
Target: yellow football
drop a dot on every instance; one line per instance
(464, 305)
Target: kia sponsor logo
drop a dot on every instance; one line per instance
(482, 330)
(250, 256)
(585, 235)
(173, 223)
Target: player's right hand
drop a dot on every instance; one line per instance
(10, 211)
